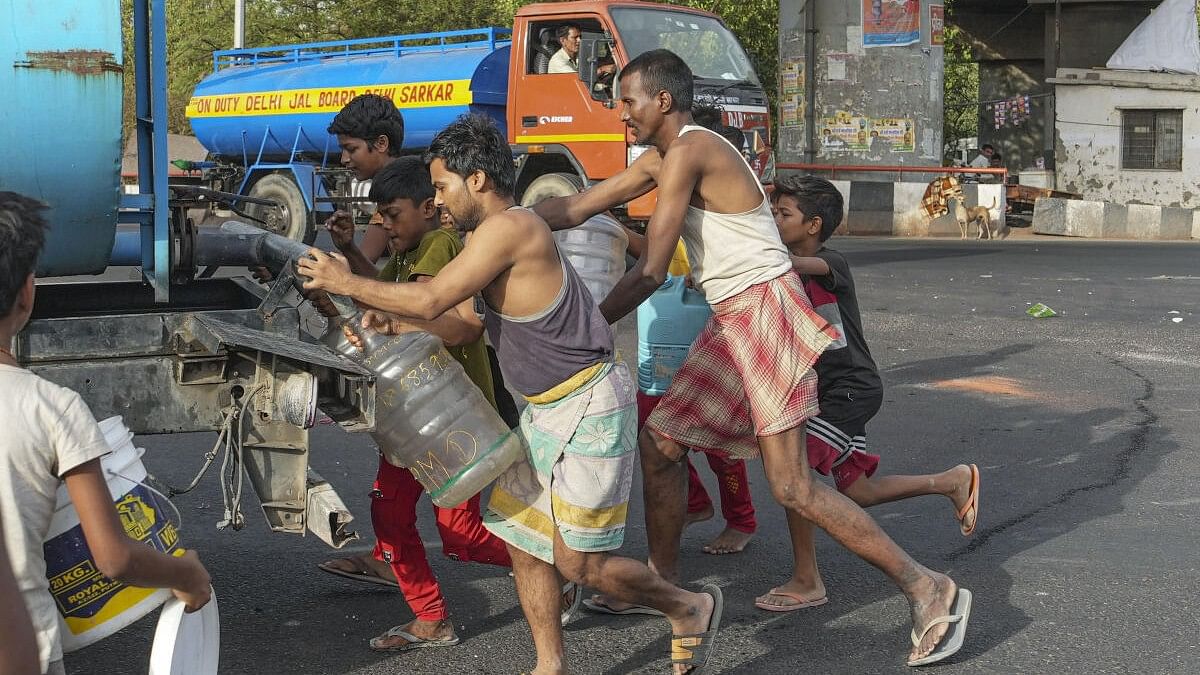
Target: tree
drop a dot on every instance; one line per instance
(960, 117)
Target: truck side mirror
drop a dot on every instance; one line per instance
(599, 84)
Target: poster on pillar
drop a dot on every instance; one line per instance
(937, 25)
(891, 23)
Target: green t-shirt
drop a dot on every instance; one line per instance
(435, 251)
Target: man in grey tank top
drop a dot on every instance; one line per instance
(747, 386)
(562, 506)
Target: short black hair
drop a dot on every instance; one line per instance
(708, 115)
(368, 117)
(663, 70)
(22, 237)
(403, 178)
(987, 146)
(735, 136)
(815, 197)
(565, 29)
(473, 143)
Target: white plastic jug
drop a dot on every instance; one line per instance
(91, 606)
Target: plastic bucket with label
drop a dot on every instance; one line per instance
(91, 606)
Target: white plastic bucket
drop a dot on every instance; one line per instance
(91, 606)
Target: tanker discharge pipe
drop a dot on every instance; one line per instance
(241, 245)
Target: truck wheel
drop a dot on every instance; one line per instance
(290, 217)
(551, 185)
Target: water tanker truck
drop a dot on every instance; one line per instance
(180, 350)
(263, 113)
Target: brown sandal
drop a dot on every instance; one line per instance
(363, 571)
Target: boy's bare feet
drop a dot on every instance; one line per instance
(934, 599)
(729, 541)
(698, 517)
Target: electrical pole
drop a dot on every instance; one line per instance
(239, 24)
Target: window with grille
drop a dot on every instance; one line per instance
(1152, 139)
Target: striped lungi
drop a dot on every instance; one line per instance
(749, 372)
(577, 475)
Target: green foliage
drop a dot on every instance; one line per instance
(961, 84)
(196, 28)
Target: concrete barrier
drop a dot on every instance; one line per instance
(1092, 219)
(884, 208)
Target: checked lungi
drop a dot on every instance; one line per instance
(749, 372)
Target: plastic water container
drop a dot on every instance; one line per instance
(668, 322)
(596, 249)
(430, 418)
(91, 606)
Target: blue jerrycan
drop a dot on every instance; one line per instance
(668, 323)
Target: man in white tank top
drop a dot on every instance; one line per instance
(747, 386)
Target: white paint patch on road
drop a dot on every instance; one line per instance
(1180, 502)
(1152, 357)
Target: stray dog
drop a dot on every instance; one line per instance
(979, 216)
(982, 217)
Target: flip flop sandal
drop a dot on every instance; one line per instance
(971, 505)
(362, 572)
(570, 612)
(592, 605)
(953, 640)
(410, 641)
(800, 602)
(696, 650)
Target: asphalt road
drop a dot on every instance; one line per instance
(1085, 561)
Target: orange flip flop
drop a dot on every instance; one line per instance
(971, 505)
(801, 602)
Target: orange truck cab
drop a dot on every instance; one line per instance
(566, 128)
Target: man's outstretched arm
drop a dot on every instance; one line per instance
(562, 213)
(677, 180)
(468, 273)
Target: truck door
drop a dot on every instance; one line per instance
(554, 111)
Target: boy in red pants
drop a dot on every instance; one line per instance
(421, 248)
(807, 210)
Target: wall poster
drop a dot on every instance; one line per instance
(891, 23)
(937, 25)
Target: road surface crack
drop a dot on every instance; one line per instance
(1122, 464)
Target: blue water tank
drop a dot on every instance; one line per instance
(668, 322)
(265, 103)
(60, 122)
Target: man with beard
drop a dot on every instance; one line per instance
(564, 505)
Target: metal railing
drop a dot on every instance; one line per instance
(394, 45)
(833, 169)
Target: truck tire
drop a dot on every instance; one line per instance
(551, 185)
(290, 218)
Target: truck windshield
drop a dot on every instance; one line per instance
(704, 43)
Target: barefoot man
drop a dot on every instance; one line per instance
(747, 386)
(562, 506)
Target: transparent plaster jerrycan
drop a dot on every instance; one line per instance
(596, 249)
(430, 418)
